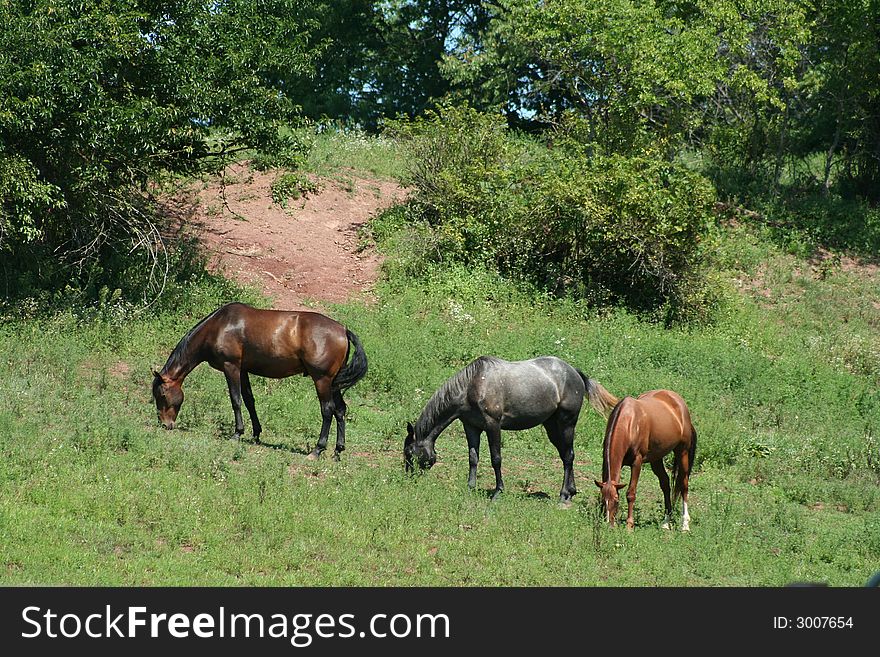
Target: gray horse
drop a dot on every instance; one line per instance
(491, 394)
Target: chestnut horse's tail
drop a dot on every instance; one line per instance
(600, 399)
(355, 369)
(677, 475)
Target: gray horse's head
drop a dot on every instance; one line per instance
(417, 452)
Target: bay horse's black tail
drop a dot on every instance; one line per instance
(600, 399)
(356, 368)
(677, 475)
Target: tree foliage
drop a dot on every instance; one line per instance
(610, 228)
(775, 100)
(98, 99)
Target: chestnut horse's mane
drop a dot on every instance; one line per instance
(606, 451)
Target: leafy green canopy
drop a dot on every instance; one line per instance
(608, 228)
(98, 99)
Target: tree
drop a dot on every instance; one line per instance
(98, 99)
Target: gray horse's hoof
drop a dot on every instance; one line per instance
(314, 455)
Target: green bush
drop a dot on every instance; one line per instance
(606, 228)
(292, 185)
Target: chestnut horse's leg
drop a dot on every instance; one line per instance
(635, 469)
(493, 434)
(248, 397)
(325, 397)
(339, 413)
(660, 470)
(684, 465)
(233, 381)
(473, 440)
(562, 438)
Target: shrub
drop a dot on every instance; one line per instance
(605, 228)
(292, 184)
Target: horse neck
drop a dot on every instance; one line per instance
(614, 447)
(438, 414)
(186, 356)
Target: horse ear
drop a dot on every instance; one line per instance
(597, 482)
(155, 370)
(619, 486)
(410, 435)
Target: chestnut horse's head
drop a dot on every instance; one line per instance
(168, 395)
(610, 492)
(415, 451)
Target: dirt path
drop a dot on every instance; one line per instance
(311, 250)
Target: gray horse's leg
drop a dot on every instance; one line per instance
(493, 434)
(473, 440)
(562, 436)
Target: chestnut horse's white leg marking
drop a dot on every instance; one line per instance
(685, 518)
(665, 524)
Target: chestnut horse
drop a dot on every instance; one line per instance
(240, 340)
(644, 430)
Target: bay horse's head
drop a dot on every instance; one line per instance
(414, 451)
(168, 396)
(610, 498)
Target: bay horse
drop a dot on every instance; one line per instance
(491, 394)
(240, 340)
(644, 430)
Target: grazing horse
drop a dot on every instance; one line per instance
(491, 394)
(643, 430)
(240, 340)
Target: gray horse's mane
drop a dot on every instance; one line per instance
(449, 393)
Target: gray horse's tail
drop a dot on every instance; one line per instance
(356, 368)
(600, 399)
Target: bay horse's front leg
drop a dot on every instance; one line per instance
(325, 397)
(248, 396)
(635, 469)
(473, 441)
(233, 382)
(493, 434)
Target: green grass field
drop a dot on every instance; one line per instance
(783, 389)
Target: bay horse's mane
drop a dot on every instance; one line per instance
(450, 392)
(177, 356)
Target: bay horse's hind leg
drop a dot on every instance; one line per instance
(562, 438)
(248, 397)
(660, 470)
(339, 408)
(325, 397)
(233, 381)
